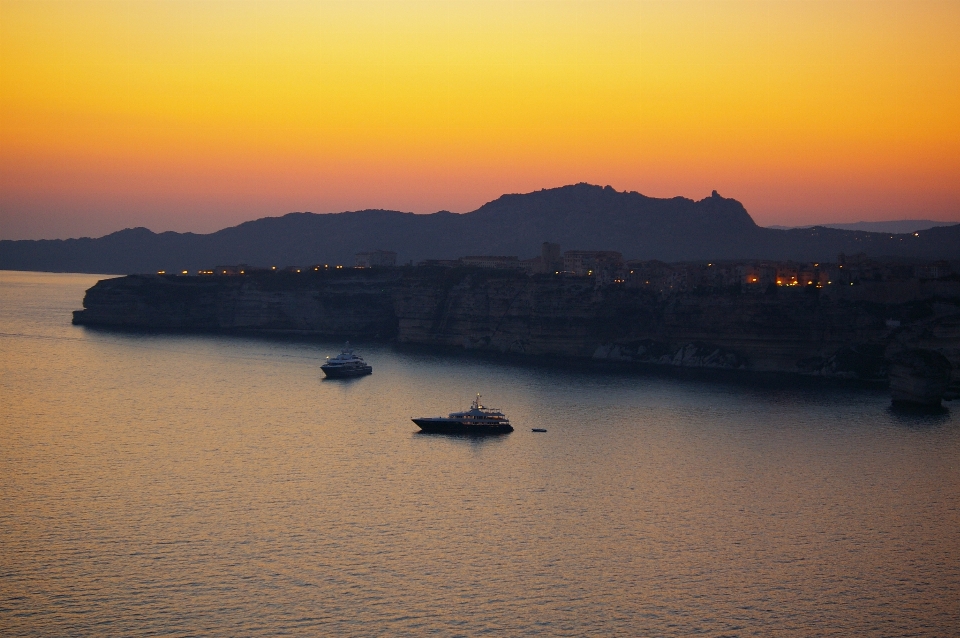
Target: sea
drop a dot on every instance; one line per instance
(162, 484)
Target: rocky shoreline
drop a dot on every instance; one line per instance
(862, 332)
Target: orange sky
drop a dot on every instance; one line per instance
(198, 115)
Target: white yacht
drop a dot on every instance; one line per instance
(346, 364)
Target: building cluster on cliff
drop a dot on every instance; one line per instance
(607, 267)
(764, 275)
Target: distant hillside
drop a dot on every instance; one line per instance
(581, 216)
(895, 226)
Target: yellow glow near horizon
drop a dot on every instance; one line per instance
(197, 114)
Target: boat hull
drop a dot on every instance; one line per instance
(345, 373)
(450, 426)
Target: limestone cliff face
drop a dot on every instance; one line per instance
(791, 330)
(570, 317)
(841, 333)
(502, 313)
(851, 332)
(342, 306)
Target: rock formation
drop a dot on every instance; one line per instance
(845, 332)
(352, 305)
(919, 377)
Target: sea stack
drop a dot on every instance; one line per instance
(919, 377)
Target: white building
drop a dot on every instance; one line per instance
(376, 258)
(491, 261)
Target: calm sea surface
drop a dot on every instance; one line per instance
(159, 484)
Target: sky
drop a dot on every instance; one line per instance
(197, 115)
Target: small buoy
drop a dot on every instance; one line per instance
(538, 430)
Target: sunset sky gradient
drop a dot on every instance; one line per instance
(199, 115)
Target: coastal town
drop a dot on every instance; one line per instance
(608, 267)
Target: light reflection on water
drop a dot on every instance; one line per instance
(157, 483)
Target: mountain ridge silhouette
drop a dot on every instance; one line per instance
(578, 216)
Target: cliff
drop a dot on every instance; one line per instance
(353, 304)
(848, 332)
(845, 332)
